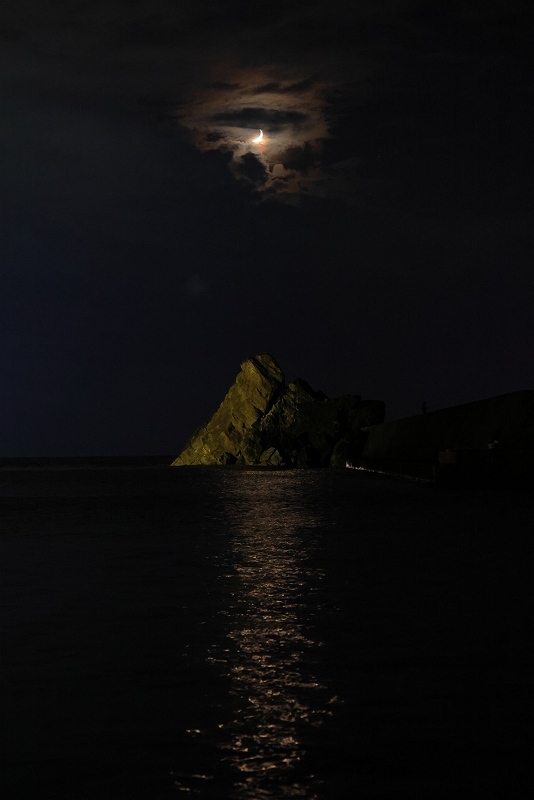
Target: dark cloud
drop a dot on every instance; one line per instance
(274, 86)
(301, 86)
(298, 158)
(222, 85)
(258, 117)
(249, 167)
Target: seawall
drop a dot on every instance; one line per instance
(453, 442)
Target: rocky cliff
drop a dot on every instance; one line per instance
(261, 421)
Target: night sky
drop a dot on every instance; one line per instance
(377, 241)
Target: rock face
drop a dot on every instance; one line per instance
(261, 421)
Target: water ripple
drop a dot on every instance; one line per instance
(276, 697)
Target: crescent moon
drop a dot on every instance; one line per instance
(258, 138)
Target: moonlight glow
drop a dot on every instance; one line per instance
(259, 138)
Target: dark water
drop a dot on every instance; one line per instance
(254, 635)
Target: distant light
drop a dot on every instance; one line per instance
(259, 138)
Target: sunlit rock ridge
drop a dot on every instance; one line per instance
(264, 422)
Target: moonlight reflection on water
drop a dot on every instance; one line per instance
(270, 640)
(162, 636)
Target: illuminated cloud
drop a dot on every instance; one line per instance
(217, 72)
(228, 114)
(350, 96)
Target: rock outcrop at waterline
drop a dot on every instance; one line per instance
(261, 421)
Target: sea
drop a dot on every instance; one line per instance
(224, 633)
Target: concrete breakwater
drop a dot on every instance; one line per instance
(484, 441)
